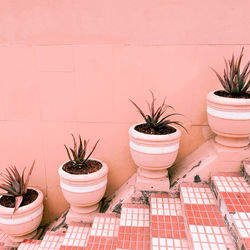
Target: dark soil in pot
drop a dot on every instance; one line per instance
(223, 93)
(28, 198)
(91, 166)
(144, 128)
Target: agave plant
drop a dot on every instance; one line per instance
(79, 157)
(155, 118)
(233, 81)
(15, 184)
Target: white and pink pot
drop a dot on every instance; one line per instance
(84, 191)
(229, 118)
(153, 154)
(25, 221)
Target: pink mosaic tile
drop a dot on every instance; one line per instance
(134, 231)
(197, 194)
(76, 236)
(242, 222)
(207, 215)
(30, 245)
(104, 232)
(169, 244)
(206, 224)
(167, 223)
(234, 192)
(211, 237)
(52, 240)
(230, 182)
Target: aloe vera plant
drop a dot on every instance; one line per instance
(78, 154)
(233, 80)
(15, 184)
(156, 119)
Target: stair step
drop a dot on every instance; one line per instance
(104, 232)
(30, 245)
(76, 236)
(205, 225)
(134, 231)
(233, 194)
(52, 240)
(167, 224)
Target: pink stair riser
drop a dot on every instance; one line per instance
(167, 223)
(233, 193)
(134, 231)
(207, 229)
(104, 232)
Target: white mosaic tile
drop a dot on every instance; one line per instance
(105, 226)
(197, 195)
(29, 245)
(166, 206)
(211, 237)
(231, 184)
(76, 233)
(133, 216)
(169, 244)
(242, 222)
(51, 241)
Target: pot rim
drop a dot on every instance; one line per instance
(212, 97)
(139, 135)
(84, 177)
(22, 210)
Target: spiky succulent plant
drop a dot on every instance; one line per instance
(156, 119)
(15, 184)
(78, 154)
(233, 81)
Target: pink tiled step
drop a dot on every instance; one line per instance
(52, 240)
(205, 225)
(30, 245)
(167, 224)
(233, 194)
(76, 236)
(104, 232)
(134, 231)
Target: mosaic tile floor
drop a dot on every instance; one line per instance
(76, 236)
(104, 232)
(134, 231)
(234, 191)
(206, 225)
(167, 223)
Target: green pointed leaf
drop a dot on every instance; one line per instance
(92, 150)
(18, 201)
(28, 176)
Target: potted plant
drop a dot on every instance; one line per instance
(83, 181)
(154, 144)
(228, 110)
(21, 208)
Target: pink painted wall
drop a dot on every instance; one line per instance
(70, 67)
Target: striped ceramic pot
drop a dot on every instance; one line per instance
(23, 224)
(229, 118)
(84, 191)
(153, 154)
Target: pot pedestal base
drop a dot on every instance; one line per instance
(232, 142)
(152, 184)
(86, 215)
(19, 239)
